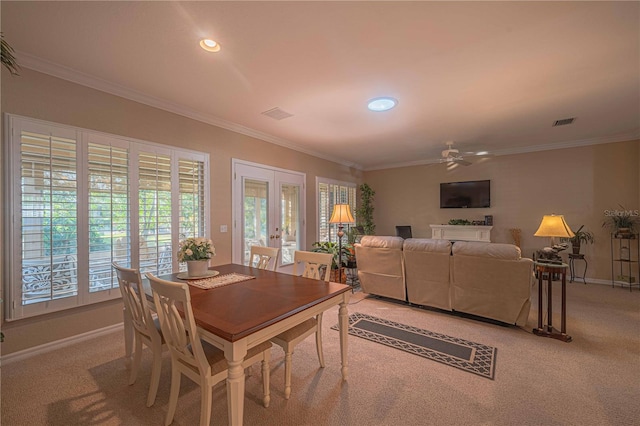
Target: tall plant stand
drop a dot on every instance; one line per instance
(625, 260)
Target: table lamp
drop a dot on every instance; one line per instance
(554, 226)
(341, 215)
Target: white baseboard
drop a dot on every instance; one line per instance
(47, 347)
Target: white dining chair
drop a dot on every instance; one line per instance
(315, 265)
(198, 360)
(146, 329)
(264, 257)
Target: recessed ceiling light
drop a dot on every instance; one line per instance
(382, 104)
(209, 45)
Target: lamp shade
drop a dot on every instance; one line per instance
(341, 214)
(554, 226)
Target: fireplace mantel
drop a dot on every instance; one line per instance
(461, 232)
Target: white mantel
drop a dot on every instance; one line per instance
(461, 232)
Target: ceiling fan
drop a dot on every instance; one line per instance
(452, 155)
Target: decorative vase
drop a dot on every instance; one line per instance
(197, 268)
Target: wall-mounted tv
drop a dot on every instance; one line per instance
(460, 195)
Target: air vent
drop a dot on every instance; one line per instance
(277, 114)
(564, 122)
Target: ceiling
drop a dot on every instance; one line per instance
(491, 76)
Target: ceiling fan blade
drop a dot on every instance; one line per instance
(460, 161)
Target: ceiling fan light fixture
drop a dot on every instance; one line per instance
(210, 45)
(382, 104)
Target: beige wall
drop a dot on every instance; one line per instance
(41, 96)
(579, 183)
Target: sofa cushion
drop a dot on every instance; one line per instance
(427, 272)
(428, 245)
(493, 250)
(375, 241)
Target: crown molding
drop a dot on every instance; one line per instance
(523, 150)
(38, 64)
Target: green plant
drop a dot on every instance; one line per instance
(582, 237)
(6, 56)
(364, 213)
(459, 222)
(621, 219)
(334, 250)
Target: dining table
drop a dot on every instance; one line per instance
(238, 316)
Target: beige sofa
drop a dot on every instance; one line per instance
(490, 280)
(381, 266)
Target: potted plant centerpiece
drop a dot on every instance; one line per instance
(579, 237)
(196, 252)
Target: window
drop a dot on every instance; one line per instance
(331, 192)
(82, 200)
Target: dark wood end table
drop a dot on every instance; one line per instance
(547, 330)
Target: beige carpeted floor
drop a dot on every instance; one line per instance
(594, 380)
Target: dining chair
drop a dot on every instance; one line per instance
(264, 257)
(198, 360)
(146, 329)
(316, 266)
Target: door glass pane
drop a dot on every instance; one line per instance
(290, 214)
(256, 209)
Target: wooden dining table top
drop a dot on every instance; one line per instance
(237, 310)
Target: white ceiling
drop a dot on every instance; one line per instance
(490, 76)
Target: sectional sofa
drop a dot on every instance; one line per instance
(489, 280)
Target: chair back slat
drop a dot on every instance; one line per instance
(131, 288)
(179, 330)
(314, 264)
(264, 257)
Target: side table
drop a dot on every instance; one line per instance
(572, 268)
(547, 330)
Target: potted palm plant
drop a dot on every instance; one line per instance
(579, 238)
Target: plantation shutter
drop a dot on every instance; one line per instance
(330, 194)
(191, 200)
(109, 217)
(49, 191)
(154, 221)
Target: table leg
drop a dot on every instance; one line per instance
(571, 266)
(343, 320)
(550, 303)
(584, 274)
(563, 319)
(235, 353)
(128, 336)
(539, 300)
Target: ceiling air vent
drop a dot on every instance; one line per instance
(564, 122)
(277, 114)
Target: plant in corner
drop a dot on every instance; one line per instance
(622, 222)
(364, 213)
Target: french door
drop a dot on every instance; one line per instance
(268, 210)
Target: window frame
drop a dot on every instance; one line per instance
(15, 125)
(322, 180)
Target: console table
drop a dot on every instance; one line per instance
(461, 232)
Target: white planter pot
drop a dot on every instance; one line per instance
(197, 268)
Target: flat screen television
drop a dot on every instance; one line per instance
(460, 195)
